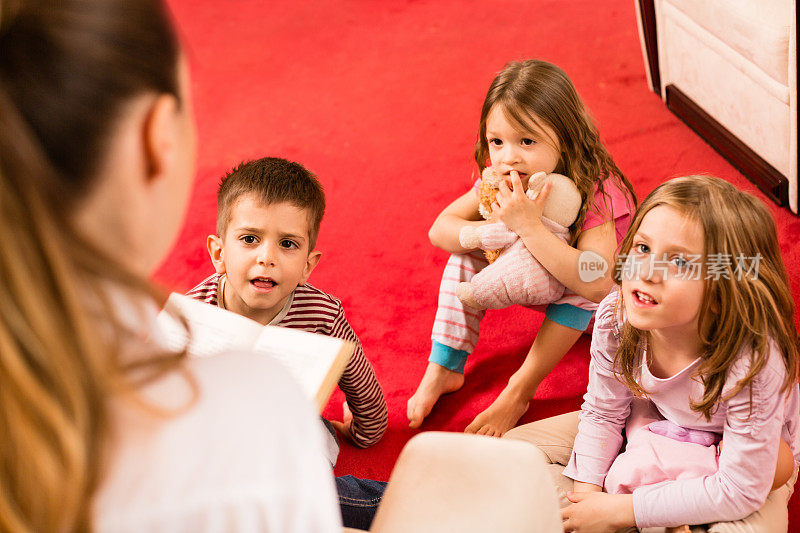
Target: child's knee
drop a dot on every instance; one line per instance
(785, 467)
(553, 451)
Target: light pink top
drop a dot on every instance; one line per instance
(748, 458)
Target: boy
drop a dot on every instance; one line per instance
(268, 218)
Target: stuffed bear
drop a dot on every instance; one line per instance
(516, 277)
(487, 192)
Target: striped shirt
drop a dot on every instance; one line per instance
(310, 309)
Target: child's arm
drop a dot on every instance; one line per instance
(604, 412)
(523, 216)
(580, 486)
(462, 212)
(606, 406)
(785, 466)
(363, 392)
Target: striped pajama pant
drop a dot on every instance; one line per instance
(455, 327)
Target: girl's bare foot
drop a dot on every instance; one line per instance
(502, 415)
(437, 380)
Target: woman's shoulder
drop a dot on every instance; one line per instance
(247, 447)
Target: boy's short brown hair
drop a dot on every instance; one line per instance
(273, 180)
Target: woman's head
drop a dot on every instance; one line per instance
(702, 236)
(538, 100)
(96, 150)
(88, 88)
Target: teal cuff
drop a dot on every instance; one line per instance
(569, 315)
(448, 357)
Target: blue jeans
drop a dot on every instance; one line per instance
(359, 500)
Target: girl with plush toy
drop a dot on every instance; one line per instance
(532, 120)
(702, 327)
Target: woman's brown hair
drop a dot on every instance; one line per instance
(68, 68)
(534, 90)
(741, 309)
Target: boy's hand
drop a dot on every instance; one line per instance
(344, 427)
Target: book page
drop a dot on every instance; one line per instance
(211, 330)
(316, 361)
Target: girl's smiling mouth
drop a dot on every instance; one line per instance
(643, 299)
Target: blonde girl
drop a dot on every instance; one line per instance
(532, 120)
(702, 326)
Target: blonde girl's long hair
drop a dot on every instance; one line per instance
(532, 91)
(67, 69)
(744, 309)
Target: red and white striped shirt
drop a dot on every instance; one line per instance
(310, 309)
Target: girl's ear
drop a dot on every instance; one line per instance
(217, 253)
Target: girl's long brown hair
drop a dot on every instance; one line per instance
(67, 70)
(738, 311)
(533, 90)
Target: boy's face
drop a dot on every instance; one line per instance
(265, 255)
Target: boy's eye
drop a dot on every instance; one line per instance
(641, 248)
(495, 142)
(528, 142)
(248, 239)
(286, 243)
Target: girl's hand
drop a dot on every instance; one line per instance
(598, 512)
(515, 209)
(580, 486)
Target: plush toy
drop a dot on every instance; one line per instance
(487, 192)
(516, 277)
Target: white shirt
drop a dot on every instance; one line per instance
(247, 456)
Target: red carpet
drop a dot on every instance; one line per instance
(381, 100)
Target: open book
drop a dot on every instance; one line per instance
(315, 361)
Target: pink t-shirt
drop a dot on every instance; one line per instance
(621, 209)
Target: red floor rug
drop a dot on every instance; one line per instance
(381, 100)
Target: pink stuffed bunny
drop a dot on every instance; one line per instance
(516, 277)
